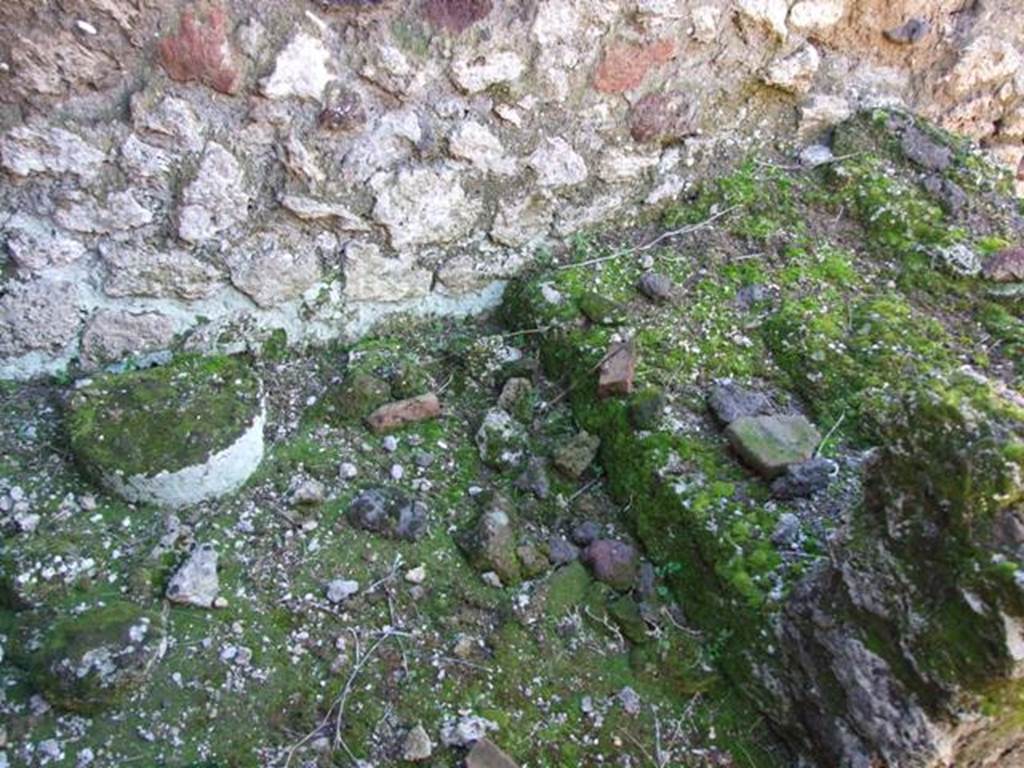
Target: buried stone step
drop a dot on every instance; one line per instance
(769, 444)
(172, 436)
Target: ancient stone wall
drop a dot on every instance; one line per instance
(201, 174)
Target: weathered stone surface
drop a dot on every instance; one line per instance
(424, 206)
(474, 143)
(816, 15)
(340, 590)
(769, 444)
(312, 209)
(417, 745)
(90, 661)
(455, 15)
(41, 315)
(557, 164)
(730, 401)
(371, 276)
(486, 754)
(662, 118)
(142, 270)
(170, 121)
(516, 398)
(612, 562)
(196, 582)
(388, 513)
(490, 545)
(656, 286)
(1006, 266)
(820, 113)
(574, 456)
(344, 111)
(36, 245)
(391, 140)
(392, 416)
(616, 374)
(804, 479)
(121, 211)
(622, 165)
(501, 440)
(27, 150)
(924, 151)
(53, 62)
(522, 222)
(143, 160)
(301, 70)
(273, 267)
(114, 334)
(201, 50)
(625, 65)
(769, 13)
(216, 199)
(986, 60)
(795, 73)
(479, 73)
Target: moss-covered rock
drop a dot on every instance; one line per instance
(90, 661)
(172, 435)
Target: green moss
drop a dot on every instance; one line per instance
(565, 589)
(163, 418)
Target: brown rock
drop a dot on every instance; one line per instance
(344, 112)
(1007, 266)
(395, 415)
(485, 754)
(617, 370)
(661, 118)
(455, 15)
(625, 65)
(201, 51)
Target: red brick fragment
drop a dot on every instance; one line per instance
(617, 370)
(200, 50)
(392, 416)
(625, 65)
(1007, 266)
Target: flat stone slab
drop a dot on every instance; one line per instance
(172, 436)
(769, 444)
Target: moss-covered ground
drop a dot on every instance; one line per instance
(824, 288)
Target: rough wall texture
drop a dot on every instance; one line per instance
(203, 173)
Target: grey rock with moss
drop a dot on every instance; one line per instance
(729, 401)
(172, 436)
(574, 456)
(490, 544)
(196, 582)
(388, 512)
(91, 661)
(501, 440)
(770, 444)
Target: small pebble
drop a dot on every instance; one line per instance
(416, 575)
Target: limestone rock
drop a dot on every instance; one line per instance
(41, 315)
(490, 545)
(196, 582)
(517, 398)
(273, 267)
(522, 222)
(467, 730)
(370, 276)
(389, 513)
(768, 13)
(486, 754)
(795, 73)
(90, 661)
(36, 245)
(816, 15)
(985, 61)
(501, 440)
(173, 435)
(312, 209)
(705, 23)
(120, 211)
(821, 112)
(557, 164)
(479, 73)
(619, 165)
(390, 141)
(421, 206)
(474, 143)
(170, 122)
(769, 444)
(340, 590)
(142, 270)
(114, 334)
(417, 745)
(300, 70)
(216, 199)
(730, 401)
(27, 150)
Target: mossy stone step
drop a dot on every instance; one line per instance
(174, 435)
(769, 444)
(89, 662)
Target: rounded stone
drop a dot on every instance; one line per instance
(89, 662)
(172, 436)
